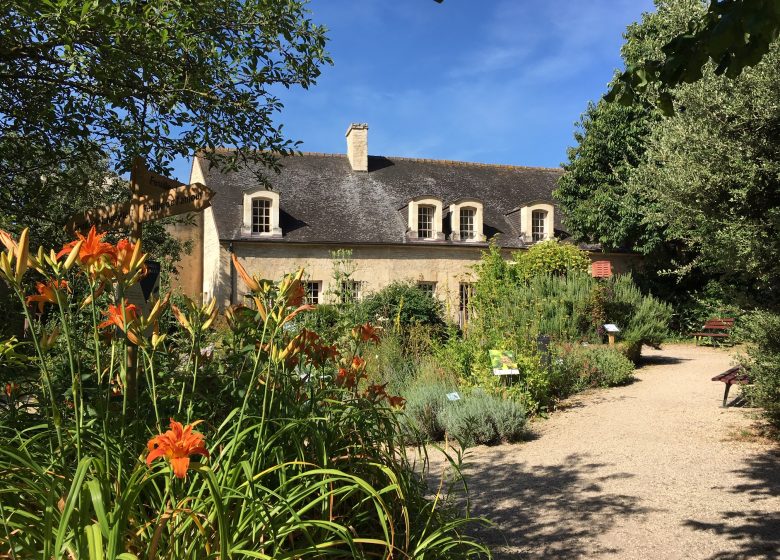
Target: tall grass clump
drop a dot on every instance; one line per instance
(175, 432)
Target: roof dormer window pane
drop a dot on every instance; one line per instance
(425, 221)
(261, 215)
(467, 223)
(538, 229)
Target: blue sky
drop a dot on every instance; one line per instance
(493, 81)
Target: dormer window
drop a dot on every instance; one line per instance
(261, 214)
(466, 221)
(538, 225)
(537, 222)
(425, 219)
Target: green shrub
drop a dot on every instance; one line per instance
(484, 419)
(550, 257)
(763, 359)
(425, 403)
(642, 318)
(576, 367)
(402, 304)
(609, 367)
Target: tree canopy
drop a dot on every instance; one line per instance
(696, 192)
(732, 35)
(85, 81)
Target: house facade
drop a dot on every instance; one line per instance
(419, 220)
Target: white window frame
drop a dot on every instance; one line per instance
(428, 232)
(526, 221)
(310, 297)
(538, 225)
(428, 287)
(351, 291)
(478, 221)
(273, 199)
(437, 233)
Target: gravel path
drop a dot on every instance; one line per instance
(655, 469)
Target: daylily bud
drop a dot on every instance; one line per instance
(74, 254)
(22, 251)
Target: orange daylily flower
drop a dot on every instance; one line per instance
(176, 445)
(47, 293)
(125, 257)
(375, 392)
(123, 316)
(11, 388)
(365, 333)
(93, 249)
(358, 363)
(396, 402)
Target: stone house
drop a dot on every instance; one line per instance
(420, 220)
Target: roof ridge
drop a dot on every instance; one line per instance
(424, 160)
(472, 163)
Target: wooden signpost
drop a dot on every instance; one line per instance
(153, 197)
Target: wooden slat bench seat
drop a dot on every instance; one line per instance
(732, 376)
(715, 329)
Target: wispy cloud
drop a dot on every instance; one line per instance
(499, 81)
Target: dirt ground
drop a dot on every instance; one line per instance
(655, 469)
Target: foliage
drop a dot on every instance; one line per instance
(731, 34)
(296, 454)
(598, 207)
(425, 403)
(763, 362)
(161, 79)
(576, 367)
(484, 419)
(695, 192)
(642, 318)
(512, 313)
(402, 304)
(713, 172)
(550, 257)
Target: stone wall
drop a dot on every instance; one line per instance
(376, 267)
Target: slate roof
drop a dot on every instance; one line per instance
(323, 201)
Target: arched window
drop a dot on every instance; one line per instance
(538, 225)
(425, 214)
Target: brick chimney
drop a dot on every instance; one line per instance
(357, 146)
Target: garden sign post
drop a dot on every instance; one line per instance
(152, 197)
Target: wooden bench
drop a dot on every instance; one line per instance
(732, 376)
(715, 329)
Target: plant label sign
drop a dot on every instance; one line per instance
(504, 362)
(610, 328)
(453, 396)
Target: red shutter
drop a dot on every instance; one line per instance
(601, 269)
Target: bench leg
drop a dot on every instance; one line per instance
(726, 395)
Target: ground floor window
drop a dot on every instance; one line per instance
(350, 291)
(313, 290)
(464, 303)
(428, 287)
